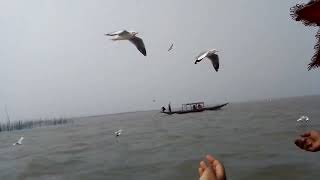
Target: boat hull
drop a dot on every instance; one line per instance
(212, 108)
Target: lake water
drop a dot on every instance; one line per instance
(254, 140)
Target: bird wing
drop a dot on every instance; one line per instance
(20, 140)
(119, 33)
(119, 131)
(170, 48)
(215, 61)
(202, 55)
(138, 42)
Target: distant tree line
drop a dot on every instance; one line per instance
(19, 125)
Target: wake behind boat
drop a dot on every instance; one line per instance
(194, 107)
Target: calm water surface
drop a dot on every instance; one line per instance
(254, 140)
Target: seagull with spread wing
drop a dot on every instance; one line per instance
(210, 54)
(19, 142)
(303, 118)
(118, 133)
(171, 47)
(131, 36)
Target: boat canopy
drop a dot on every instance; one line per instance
(189, 106)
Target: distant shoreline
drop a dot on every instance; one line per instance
(30, 124)
(235, 102)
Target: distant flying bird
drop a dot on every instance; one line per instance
(131, 36)
(170, 48)
(303, 118)
(19, 142)
(118, 133)
(210, 54)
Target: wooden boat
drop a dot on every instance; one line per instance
(195, 107)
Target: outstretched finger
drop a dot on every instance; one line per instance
(200, 170)
(210, 158)
(203, 165)
(217, 166)
(213, 161)
(220, 171)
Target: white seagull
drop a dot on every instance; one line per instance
(118, 133)
(19, 142)
(171, 47)
(210, 54)
(303, 118)
(131, 36)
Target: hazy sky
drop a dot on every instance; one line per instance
(55, 60)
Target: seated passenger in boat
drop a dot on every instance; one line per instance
(194, 107)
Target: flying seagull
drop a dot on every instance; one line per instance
(118, 133)
(303, 118)
(170, 48)
(210, 54)
(19, 142)
(131, 36)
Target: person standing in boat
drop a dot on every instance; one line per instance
(163, 109)
(169, 106)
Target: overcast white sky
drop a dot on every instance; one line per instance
(55, 60)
